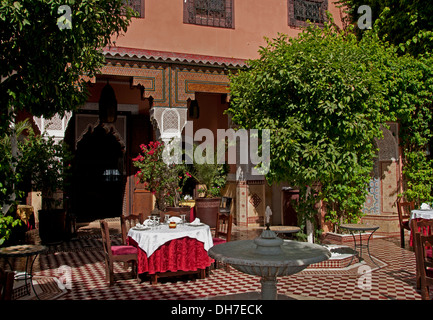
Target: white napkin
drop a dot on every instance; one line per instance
(147, 223)
(140, 226)
(175, 219)
(196, 221)
(425, 206)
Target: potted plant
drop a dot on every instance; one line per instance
(44, 162)
(165, 181)
(212, 178)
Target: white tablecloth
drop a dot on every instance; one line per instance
(421, 214)
(151, 239)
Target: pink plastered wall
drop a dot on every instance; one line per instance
(163, 29)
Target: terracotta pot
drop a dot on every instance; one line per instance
(177, 211)
(207, 210)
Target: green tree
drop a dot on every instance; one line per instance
(8, 181)
(405, 23)
(322, 97)
(45, 163)
(411, 102)
(43, 65)
(408, 25)
(42, 161)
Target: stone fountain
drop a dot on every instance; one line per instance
(269, 257)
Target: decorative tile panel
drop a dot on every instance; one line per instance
(372, 202)
(389, 186)
(255, 200)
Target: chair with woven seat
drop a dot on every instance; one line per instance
(6, 284)
(423, 254)
(404, 209)
(117, 253)
(127, 222)
(424, 227)
(223, 230)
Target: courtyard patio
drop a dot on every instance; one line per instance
(392, 276)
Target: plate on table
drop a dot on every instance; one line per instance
(195, 224)
(140, 228)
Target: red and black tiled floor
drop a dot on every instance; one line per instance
(394, 279)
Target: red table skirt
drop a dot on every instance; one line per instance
(426, 232)
(184, 254)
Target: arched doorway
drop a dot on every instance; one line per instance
(98, 181)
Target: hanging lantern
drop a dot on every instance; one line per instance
(107, 105)
(194, 110)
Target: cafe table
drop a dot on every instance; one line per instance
(419, 214)
(30, 252)
(360, 228)
(168, 252)
(285, 230)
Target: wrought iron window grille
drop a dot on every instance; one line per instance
(137, 6)
(301, 11)
(214, 13)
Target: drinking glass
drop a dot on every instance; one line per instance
(152, 221)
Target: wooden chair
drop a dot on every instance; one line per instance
(404, 209)
(6, 284)
(223, 230)
(122, 253)
(173, 213)
(423, 254)
(127, 222)
(225, 205)
(424, 227)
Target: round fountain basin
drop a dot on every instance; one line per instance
(289, 258)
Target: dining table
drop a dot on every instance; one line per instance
(165, 251)
(419, 214)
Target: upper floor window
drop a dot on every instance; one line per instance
(214, 13)
(137, 6)
(302, 10)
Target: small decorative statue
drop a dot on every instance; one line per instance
(268, 214)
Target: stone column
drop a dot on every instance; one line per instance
(250, 197)
(241, 198)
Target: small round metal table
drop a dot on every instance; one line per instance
(353, 228)
(27, 251)
(285, 230)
